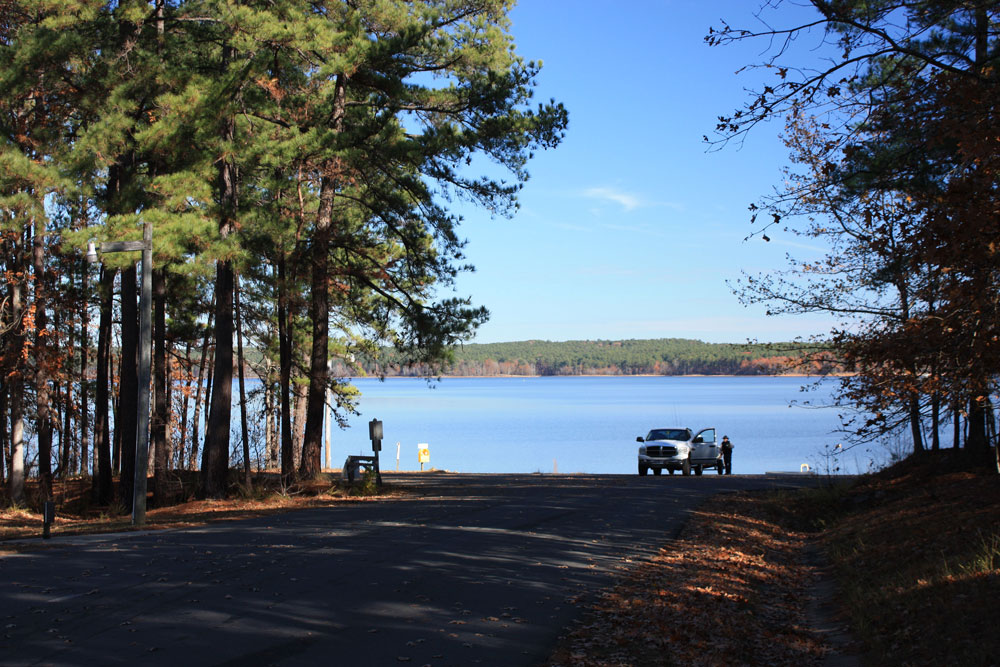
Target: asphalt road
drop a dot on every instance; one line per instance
(476, 569)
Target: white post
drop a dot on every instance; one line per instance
(329, 418)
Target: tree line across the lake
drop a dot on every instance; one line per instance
(665, 356)
(296, 161)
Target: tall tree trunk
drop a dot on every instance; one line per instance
(285, 376)
(43, 359)
(271, 437)
(63, 402)
(977, 444)
(102, 422)
(300, 391)
(982, 29)
(17, 443)
(918, 440)
(991, 424)
(182, 439)
(4, 441)
(66, 436)
(15, 381)
(994, 440)
(215, 455)
(84, 420)
(56, 415)
(312, 443)
(276, 421)
(935, 422)
(956, 436)
(996, 455)
(127, 423)
(161, 411)
(243, 394)
(171, 408)
(116, 405)
(209, 380)
(215, 458)
(204, 373)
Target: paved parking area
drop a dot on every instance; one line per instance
(470, 569)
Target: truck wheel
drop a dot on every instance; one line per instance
(670, 470)
(643, 470)
(697, 470)
(657, 471)
(686, 467)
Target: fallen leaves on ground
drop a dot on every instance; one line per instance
(731, 590)
(917, 550)
(75, 517)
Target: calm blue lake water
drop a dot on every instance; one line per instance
(585, 424)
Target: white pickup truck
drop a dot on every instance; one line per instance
(681, 449)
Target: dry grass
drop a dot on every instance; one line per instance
(916, 552)
(76, 514)
(918, 562)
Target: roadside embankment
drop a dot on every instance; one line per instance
(913, 552)
(732, 589)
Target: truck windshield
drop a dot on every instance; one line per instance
(669, 434)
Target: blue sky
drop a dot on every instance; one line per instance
(631, 228)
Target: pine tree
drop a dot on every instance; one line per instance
(297, 142)
(38, 102)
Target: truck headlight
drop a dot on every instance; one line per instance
(642, 451)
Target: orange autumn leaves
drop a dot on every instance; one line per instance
(731, 590)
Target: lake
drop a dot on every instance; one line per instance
(589, 424)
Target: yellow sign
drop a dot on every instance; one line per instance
(423, 453)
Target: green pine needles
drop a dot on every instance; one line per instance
(296, 160)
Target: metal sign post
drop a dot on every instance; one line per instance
(48, 518)
(375, 432)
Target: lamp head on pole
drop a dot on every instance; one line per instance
(91, 252)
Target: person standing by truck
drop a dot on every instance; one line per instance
(727, 454)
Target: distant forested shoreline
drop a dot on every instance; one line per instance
(662, 356)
